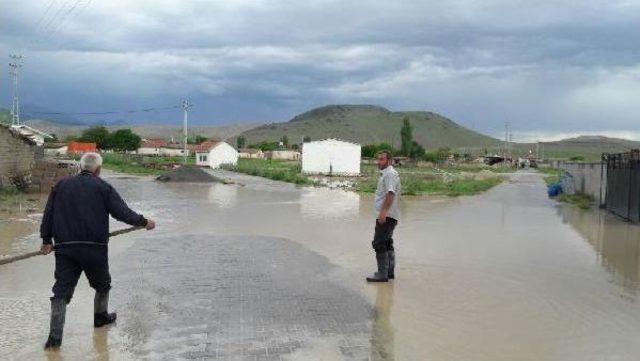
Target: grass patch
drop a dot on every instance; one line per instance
(580, 200)
(551, 175)
(272, 169)
(416, 185)
(415, 180)
(9, 192)
(141, 165)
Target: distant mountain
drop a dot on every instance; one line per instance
(368, 124)
(34, 112)
(590, 147)
(226, 131)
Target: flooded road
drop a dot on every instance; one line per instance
(268, 271)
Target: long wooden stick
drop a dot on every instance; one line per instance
(7, 260)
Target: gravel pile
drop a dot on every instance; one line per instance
(188, 173)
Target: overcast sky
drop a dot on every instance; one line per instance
(550, 68)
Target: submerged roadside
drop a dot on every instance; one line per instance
(416, 180)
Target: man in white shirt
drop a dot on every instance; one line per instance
(386, 205)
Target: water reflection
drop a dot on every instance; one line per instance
(382, 334)
(327, 203)
(616, 242)
(223, 195)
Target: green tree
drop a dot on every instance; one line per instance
(369, 150)
(285, 141)
(417, 151)
(406, 136)
(306, 139)
(99, 135)
(265, 146)
(240, 141)
(124, 140)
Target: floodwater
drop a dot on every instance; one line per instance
(268, 271)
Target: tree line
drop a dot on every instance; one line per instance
(120, 140)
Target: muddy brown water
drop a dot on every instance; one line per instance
(506, 275)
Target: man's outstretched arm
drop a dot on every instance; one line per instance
(121, 211)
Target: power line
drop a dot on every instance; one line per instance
(48, 25)
(44, 15)
(110, 112)
(63, 20)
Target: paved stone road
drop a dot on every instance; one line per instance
(237, 298)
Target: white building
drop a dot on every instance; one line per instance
(213, 154)
(331, 157)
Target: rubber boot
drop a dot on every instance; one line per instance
(100, 305)
(383, 268)
(392, 265)
(58, 312)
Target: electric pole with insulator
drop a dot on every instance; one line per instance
(185, 108)
(14, 70)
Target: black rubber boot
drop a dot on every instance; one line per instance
(392, 265)
(58, 313)
(100, 315)
(383, 268)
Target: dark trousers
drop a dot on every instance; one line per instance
(383, 236)
(72, 260)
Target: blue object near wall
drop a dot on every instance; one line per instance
(554, 189)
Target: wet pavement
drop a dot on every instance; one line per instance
(268, 271)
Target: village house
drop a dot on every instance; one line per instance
(55, 149)
(81, 147)
(214, 154)
(175, 150)
(331, 157)
(250, 153)
(151, 146)
(20, 147)
(282, 154)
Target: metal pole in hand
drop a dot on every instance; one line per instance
(19, 257)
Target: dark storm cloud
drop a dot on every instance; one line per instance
(545, 66)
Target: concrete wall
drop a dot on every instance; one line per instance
(17, 156)
(587, 177)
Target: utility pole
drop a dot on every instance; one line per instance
(510, 144)
(14, 70)
(506, 139)
(185, 109)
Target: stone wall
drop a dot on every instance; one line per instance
(587, 177)
(48, 172)
(17, 156)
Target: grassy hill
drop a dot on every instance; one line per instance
(368, 124)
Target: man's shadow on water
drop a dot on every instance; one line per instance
(382, 335)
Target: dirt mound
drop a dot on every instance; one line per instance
(188, 173)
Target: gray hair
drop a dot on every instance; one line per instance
(90, 162)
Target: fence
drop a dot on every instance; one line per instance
(623, 184)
